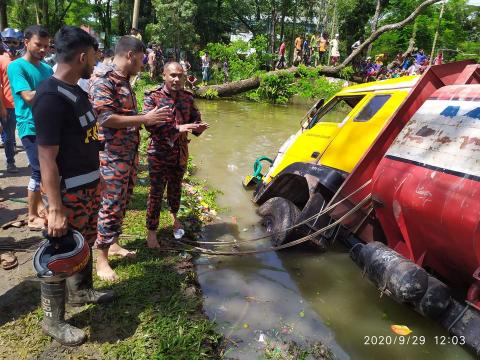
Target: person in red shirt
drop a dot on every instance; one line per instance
(12, 40)
(281, 56)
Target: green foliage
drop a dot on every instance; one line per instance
(316, 87)
(308, 72)
(211, 94)
(243, 63)
(174, 24)
(347, 72)
(276, 88)
(458, 33)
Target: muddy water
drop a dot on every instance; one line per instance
(297, 294)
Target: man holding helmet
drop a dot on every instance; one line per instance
(68, 147)
(12, 40)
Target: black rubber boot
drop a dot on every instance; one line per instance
(80, 289)
(53, 324)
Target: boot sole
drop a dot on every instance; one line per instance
(58, 340)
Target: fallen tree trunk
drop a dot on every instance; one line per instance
(229, 89)
(237, 87)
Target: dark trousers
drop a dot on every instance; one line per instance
(163, 175)
(9, 124)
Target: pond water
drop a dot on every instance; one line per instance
(297, 294)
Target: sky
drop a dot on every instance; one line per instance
(474, 2)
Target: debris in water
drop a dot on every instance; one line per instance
(232, 167)
(261, 338)
(402, 330)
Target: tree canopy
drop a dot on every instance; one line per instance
(192, 24)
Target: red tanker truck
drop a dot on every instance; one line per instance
(418, 238)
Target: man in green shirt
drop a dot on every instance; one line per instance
(25, 75)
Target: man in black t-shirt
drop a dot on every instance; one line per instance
(68, 149)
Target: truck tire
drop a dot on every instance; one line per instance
(278, 214)
(312, 207)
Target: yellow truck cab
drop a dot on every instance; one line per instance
(312, 164)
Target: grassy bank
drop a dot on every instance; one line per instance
(158, 314)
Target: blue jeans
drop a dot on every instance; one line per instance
(8, 135)
(30, 144)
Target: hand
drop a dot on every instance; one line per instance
(201, 128)
(187, 127)
(57, 223)
(158, 116)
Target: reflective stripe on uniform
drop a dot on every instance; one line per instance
(83, 120)
(82, 179)
(67, 93)
(90, 116)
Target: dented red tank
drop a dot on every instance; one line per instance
(422, 175)
(427, 186)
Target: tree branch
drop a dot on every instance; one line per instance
(377, 33)
(244, 21)
(60, 20)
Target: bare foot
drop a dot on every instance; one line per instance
(152, 241)
(104, 271)
(177, 224)
(36, 223)
(117, 250)
(42, 211)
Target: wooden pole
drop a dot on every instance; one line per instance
(136, 11)
(436, 32)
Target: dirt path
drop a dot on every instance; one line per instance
(18, 293)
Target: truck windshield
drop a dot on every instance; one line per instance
(336, 110)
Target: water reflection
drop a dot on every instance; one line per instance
(297, 293)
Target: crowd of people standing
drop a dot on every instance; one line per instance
(311, 50)
(79, 125)
(319, 50)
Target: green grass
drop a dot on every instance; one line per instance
(155, 316)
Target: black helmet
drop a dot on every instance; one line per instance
(59, 258)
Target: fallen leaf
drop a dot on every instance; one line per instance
(301, 314)
(402, 330)
(246, 326)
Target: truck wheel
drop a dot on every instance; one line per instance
(312, 207)
(278, 214)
